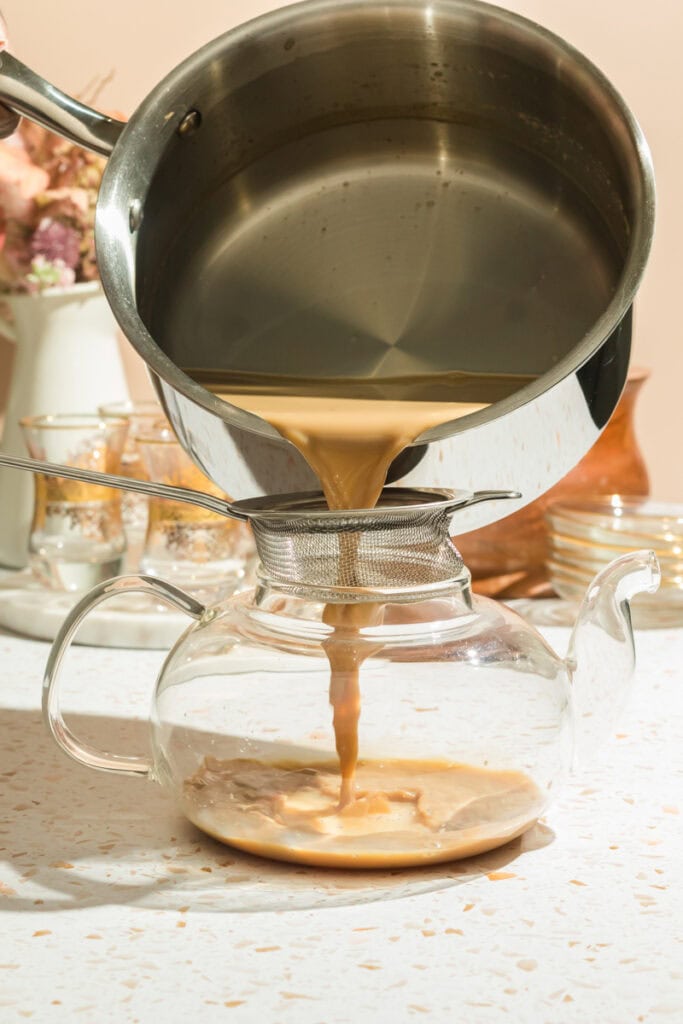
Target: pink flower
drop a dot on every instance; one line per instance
(65, 203)
(48, 193)
(20, 181)
(57, 243)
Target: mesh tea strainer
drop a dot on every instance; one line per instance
(403, 542)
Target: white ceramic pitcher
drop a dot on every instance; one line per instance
(67, 360)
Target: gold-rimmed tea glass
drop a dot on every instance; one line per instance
(200, 551)
(134, 507)
(77, 537)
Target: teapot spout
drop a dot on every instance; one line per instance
(601, 656)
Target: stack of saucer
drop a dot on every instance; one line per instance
(584, 536)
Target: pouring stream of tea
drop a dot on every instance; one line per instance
(350, 444)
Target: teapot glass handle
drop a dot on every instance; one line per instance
(83, 752)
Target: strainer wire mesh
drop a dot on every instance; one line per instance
(382, 548)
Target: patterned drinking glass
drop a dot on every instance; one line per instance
(200, 551)
(77, 537)
(134, 507)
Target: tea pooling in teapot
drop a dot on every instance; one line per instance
(404, 813)
(376, 812)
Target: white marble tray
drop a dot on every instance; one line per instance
(133, 620)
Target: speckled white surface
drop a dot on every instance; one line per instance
(115, 910)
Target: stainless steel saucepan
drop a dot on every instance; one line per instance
(383, 192)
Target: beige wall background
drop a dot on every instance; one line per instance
(638, 46)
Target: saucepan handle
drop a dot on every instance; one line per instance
(84, 753)
(26, 93)
(8, 119)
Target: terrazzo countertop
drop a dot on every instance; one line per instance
(113, 909)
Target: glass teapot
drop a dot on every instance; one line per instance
(452, 722)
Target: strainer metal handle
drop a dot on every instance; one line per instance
(210, 502)
(243, 510)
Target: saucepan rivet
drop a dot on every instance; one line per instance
(190, 123)
(134, 215)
